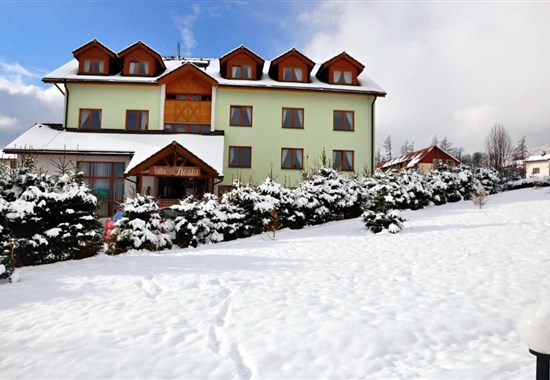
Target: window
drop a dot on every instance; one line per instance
(437, 162)
(137, 120)
(292, 74)
(343, 160)
(241, 72)
(194, 97)
(240, 157)
(293, 118)
(536, 171)
(241, 116)
(186, 128)
(93, 66)
(292, 158)
(106, 181)
(343, 121)
(139, 68)
(90, 119)
(450, 163)
(342, 77)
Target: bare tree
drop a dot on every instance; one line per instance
(378, 158)
(435, 140)
(498, 146)
(445, 144)
(388, 148)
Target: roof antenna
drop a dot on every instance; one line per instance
(179, 51)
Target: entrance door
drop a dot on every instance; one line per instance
(180, 188)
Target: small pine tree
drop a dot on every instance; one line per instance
(140, 227)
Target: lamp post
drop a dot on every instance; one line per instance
(534, 330)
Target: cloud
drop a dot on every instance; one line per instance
(185, 25)
(7, 122)
(450, 69)
(23, 103)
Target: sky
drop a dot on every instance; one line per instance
(450, 69)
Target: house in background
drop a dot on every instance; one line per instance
(136, 121)
(537, 165)
(8, 159)
(423, 160)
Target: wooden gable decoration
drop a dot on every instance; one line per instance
(291, 59)
(342, 62)
(241, 56)
(140, 52)
(188, 79)
(95, 50)
(173, 160)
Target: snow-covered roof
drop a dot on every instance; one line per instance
(7, 156)
(45, 139)
(69, 72)
(413, 158)
(538, 157)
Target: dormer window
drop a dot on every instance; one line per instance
(94, 66)
(292, 74)
(342, 69)
(241, 72)
(138, 68)
(342, 77)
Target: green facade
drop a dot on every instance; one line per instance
(114, 100)
(267, 137)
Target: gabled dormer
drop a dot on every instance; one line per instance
(140, 60)
(241, 63)
(291, 66)
(342, 69)
(94, 58)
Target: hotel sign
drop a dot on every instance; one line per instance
(175, 171)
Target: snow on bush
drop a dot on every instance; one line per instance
(278, 207)
(322, 197)
(241, 205)
(199, 222)
(48, 218)
(141, 227)
(379, 221)
(527, 182)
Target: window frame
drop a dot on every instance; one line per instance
(88, 178)
(292, 166)
(92, 66)
(240, 66)
(342, 152)
(343, 123)
(241, 108)
(137, 120)
(342, 77)
(139, 64)
(174, 128)
(292, 110)
(293, 74)
(239, 164)
(535, 170)
(91, 118)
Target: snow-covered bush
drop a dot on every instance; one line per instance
(379, 221)
(141, 227)
(240, 204)
(199, 222)
(489, 179)
(322, 196)
(527, 182)
(277, 207)
(49, 218)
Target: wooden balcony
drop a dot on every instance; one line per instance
(187, 111)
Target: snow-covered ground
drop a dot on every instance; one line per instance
(439, 300)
